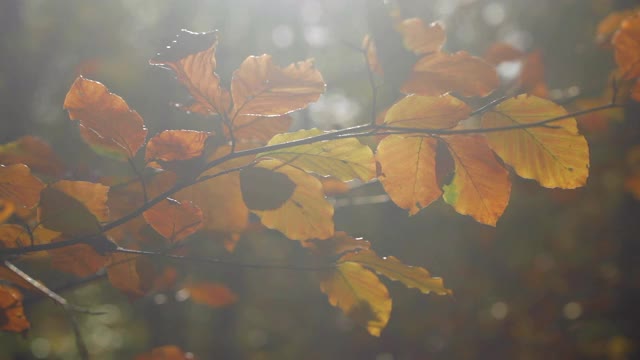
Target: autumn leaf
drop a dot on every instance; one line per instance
(611, 23)
(17, 236)
(500, 52)
(408, 170)
(259, 129)
(411, 276)
(480, 186)
(7, 208)
(107, 123)
(306, 214)
(556, 157)
(460, 72)
(421, 38)
(74, 208)
(338, 244)
(167, 352)
(214, 295)
(192, 57)
(360, 294)
(19, 186)
(80, 260)
(173, 145)
(12, 316)
(344, 159)
(370, 49)
(173, 219)
(427, 112)
(263, 189)
(131, 274)
(626, 43)
(260, 88)
(33, 152)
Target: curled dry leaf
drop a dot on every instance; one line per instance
(107, 123)
(33, 152)
(360, 294)
(306, 214)
(12, 316)
(173, 219)
(260, 88)
(427, 112)
(408, 170)
(556, 157)
(192, 57)
(344, 159)
(481, 186)
(173, 145)
(460, 72)
(19, 186)
(214, 295)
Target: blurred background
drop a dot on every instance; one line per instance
(558, 278)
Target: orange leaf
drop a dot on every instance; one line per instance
(408, 170)
(481, 186)
(107, 123)
(174, 220)
(92, 195)
(193, 59)
(359, 294)
(33, 152)
(420, 38)
(172, 145)
(610, 24)
(7, 208)
(167, 352)
(211, 294)
(306, 214)
(332, 186)
(260, 88)
(12, 316)
(16, 236)
(259, 129)
(635, 92)
(132, 274)
(427, 112)
(19, 186)
(532, 79)
(80, 260)
(372, 56)
(501, 52)
(627, 47)
(555, 156)
(441, 73)
(264, 189)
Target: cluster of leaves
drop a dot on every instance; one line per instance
(429, 144)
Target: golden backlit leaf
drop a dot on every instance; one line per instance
(12, 317)
(74, 208)
(556, 156)
(421, 38)
(214, 295)
(16, 236)
(259, 129)
(411, 276)
(107, 123)
(172, 145)
(192, 57)
(261, 88)
(19, 186)
(33, 152)
(306, 214)
(481, 186)
(344, 159)
(167, 352)
(610, 24)
(359, 294)
(408, 170)
(173, 219)
(626, 43)
(80, 260)
(460, 72)
(264, 189)
(132, 274)
(427, 112)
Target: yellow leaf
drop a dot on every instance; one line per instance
(344, 159)
(411, 276)
(427, 112)
(359, 294)
(306, 214)
(481, 186)
(556, 157)
(408, 170)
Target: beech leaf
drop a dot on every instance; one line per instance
(33, 152)
(427, 112)
(12, 317)
(259, 129)
(173, 145)
(214, 295)
(19, 186)
(626, 43)
(421, 38)
(173, 219)
(264, 189)
(556, 157)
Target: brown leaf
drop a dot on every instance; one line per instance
(214, 295)
(626, 43)
(481, 186)
(421, 38)
(259, 129)
(16, 236)
(408, 170)
(172, 145)
(132, 274)
(260, 88)
(12, 316)
(174, 220)
(7, 208)
(33, 152)
(441, 73)
(107, 123)
(427, 112)
(359, 294)
(19, 186)
(80, 260)
(192, 57)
